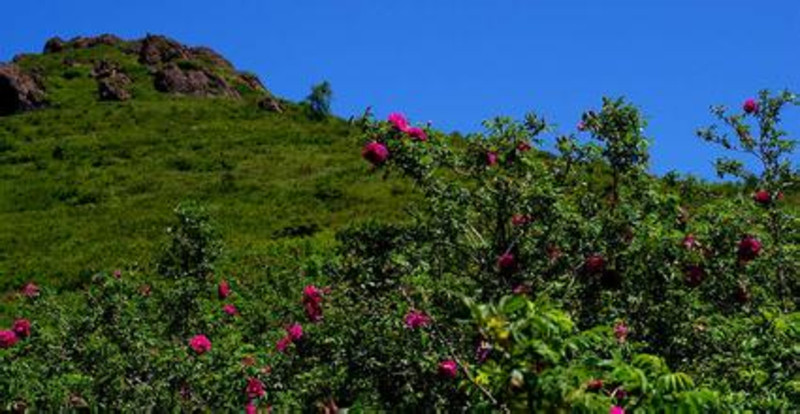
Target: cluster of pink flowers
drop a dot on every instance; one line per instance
(417, 319)
(294, 333)
(401, 124)
(20, 329)
(375, 152)
(224, 291)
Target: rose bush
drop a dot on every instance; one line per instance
(523, 281)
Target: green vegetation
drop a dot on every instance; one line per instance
(89, 185)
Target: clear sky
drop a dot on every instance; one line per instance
(457, 62)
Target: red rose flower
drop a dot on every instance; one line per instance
(595, 263)
(521, 219)
(594, 384)
(762, 197)
(312, 299)
(750, 106)
(507, 262)
(523, 147)
(22, 327)
(749, 248)
(694, 275)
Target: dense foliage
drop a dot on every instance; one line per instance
(521, 282)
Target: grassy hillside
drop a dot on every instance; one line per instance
(89, 185)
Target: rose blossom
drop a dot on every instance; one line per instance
(22, 327)
(750, 106)
(200, 344)
(283, 343)
(749, 248)
(448, 368)
(294, 331)
(255, 388)
(375, 152)
(621, 332)
(415, 319)
(417, 133)
(399, 121)
(224, 289)
(230, 309)
(30, 290)
(8, 339)
(491, 158)
(595, 263)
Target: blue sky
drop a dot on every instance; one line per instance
(459, 62)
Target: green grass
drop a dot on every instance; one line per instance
(90, 185)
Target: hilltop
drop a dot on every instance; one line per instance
(102, 138)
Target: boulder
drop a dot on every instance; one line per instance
(114, 87)
(155, 50)
(19, 91)
(112, 83)
(208, 55)
(54, 45)
(198, 82)
(252, 81)
(270, 104)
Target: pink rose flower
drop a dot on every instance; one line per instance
(375, 152)
(295, 331)
(621, 332)
(200, 344)
(230, 309)
(417, 133)
(491, 158)
(448, 369)
(616, 410)
(415, 319)
(750, 106)
(255, 388)
(250, 408)
(520, 219)
(22, 327)
(749, 248)
(399, 121)
(283, 343)
(224, 289)
(689, 242)
(8, 339)
(30, 290)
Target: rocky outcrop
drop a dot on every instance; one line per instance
(57, 45)
(197, 82)
(252, 81)
(112, 83)
(156, 50)
(270, 104)
(19, 91)
(209, 56)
